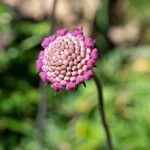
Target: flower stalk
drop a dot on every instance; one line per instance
(102, 112)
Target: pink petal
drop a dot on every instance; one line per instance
(43, 76)
(71, 86)
(91, 63)
(41, 54)
(79, 79)
(77, 31)
(51, 38)
(56, 86)
(94, 54)
(39, 64)
(45, 42)
(89, 43)
(62, 31)
(50, 79)
(88, 75)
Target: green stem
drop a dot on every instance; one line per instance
(102, 112)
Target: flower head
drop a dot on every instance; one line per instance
(67, 59)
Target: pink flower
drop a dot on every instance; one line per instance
(67, 59)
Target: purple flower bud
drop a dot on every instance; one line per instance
(62, 31)
(89, 43)
(67, 59)
(71, 86)
(94, 54)
(45, 43)
(39, 64)
(79, 80)
(51, 38)
(77, 31)
(88, 75)
(43, 76)
(91, 63)
(56, 86)
(41, 54)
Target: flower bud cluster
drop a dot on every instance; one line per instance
(67, 59)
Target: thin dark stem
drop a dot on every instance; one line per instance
(52, 17)
(102, 112)
(41, 112)
(40, 117)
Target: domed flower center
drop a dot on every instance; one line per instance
(65, 58)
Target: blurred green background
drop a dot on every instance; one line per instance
(72, 120)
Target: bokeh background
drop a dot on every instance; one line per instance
(34, 117)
